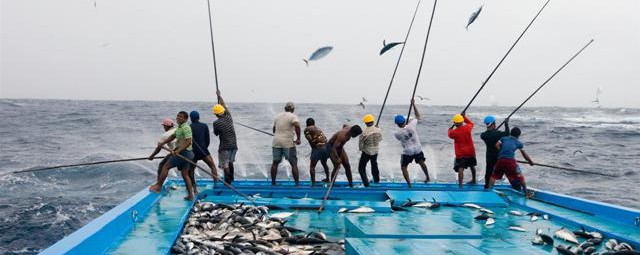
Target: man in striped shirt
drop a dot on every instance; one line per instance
(223, 128)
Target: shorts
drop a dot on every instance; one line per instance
(289, 154)
(464, 163)
(406, 159)
(320, 154)
(509, 168)
(226, 157)
(200, 156)
(180, 163)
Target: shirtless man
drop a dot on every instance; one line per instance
(337, 154)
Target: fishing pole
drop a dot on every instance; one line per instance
(215, 177)
(326, 195)
(82, 164)
(504, 57)
(213, 50)
(424, 50)
(569, 169)
(545, 82)
(254, 129)
(397, 63)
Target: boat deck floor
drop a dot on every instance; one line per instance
(450, 229)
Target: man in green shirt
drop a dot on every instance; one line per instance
(183, 147)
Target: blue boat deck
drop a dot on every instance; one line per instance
(450, 229)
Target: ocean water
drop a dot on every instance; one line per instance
(37, 209)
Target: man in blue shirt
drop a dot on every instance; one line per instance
(506, 164)
(201, 142)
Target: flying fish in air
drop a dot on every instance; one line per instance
(387, 46)
(473, 17)
(318, 54)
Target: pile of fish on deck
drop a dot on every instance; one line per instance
(245, 229)
(593, 239)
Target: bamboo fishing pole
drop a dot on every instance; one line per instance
(424, 50)
(397, 64)
(213, 49)
(503, 58)
(215, 177)
(547, 81)
(82, 164)
(568, 169)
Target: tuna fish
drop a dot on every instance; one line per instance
(566, 235)
(473, 17)
(362, 209)
(318, 54)
(517, 228)
(470, 205)
(387, 46)
(490, 221)
(282, 215)
(516, 213)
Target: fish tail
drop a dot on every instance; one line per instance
(306, 62)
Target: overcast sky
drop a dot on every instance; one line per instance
(160, 50)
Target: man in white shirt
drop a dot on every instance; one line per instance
(167, 124)
(411, 147)
(285, 126)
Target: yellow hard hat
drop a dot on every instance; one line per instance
(368, 118)
(218, 109)
(458, 118)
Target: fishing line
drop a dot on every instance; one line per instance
(545, 82)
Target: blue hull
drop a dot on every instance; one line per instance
(149, 223)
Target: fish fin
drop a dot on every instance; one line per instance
(306, 62)
(384, 42)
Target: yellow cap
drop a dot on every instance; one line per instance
(368, 118)
(218, 109)
(458, 118)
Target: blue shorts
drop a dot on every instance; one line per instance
(180, 163)
(290, 154)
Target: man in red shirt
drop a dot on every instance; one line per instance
(465, 152)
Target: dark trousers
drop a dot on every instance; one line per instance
(491, 163)
(362, 168)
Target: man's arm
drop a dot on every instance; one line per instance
(415, 109)
(296, 125)
(506, 126)
(221, 101)
(467, 121)
(168, 140)
(526, 156)
(498, 145)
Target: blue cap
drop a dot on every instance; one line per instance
(489, 119)
(194, 115)
(400, 119)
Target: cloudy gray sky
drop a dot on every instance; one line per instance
(160, 50)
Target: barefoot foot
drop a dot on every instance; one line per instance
(155, 188)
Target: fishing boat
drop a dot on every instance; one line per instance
(149, 223)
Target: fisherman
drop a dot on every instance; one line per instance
(285, 125)
(368, 144)
(465, 152)
(317, 141)
(336, 147)
(490, 138)
(201, 142)
(223, 128)
(506, 164)
(411, 147)
(183, 148)
(167, 124)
